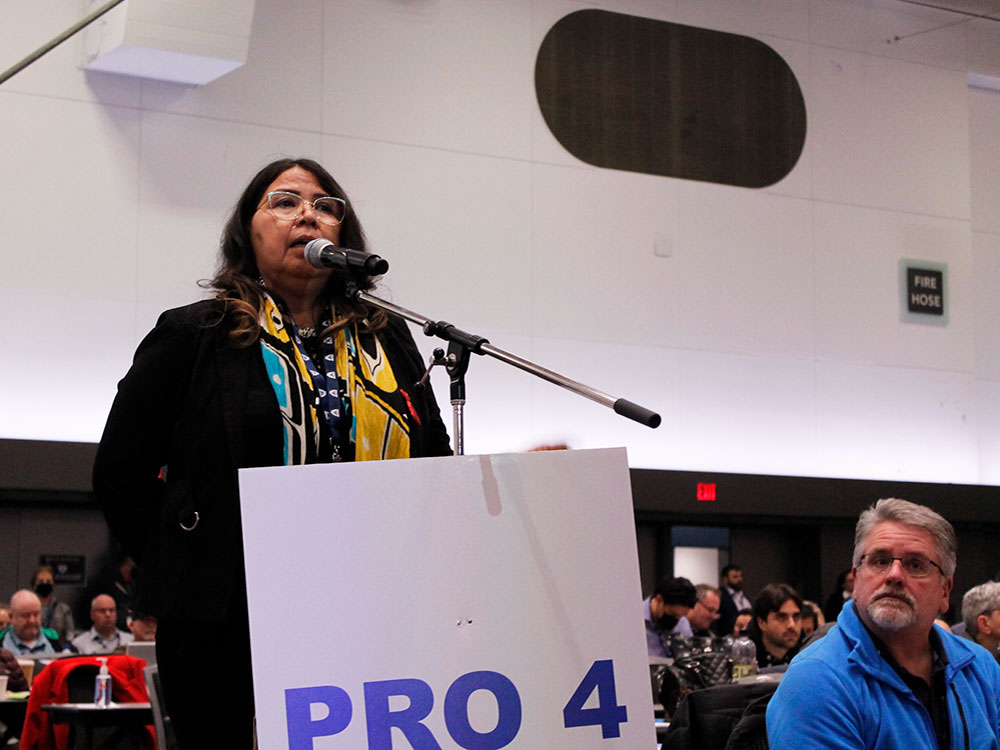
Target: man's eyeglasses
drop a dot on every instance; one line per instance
(290, 207)
(915, 566)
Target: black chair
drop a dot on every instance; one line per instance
(80, 683)
(750, 733)
(708, 719)
(165, 738)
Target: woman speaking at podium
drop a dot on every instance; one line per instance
(279, 368)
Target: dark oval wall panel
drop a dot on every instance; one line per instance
(649, 96)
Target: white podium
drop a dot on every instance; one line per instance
(474, 602)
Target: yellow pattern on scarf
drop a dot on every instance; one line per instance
(379, 431)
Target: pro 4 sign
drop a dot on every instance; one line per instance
(380, 718)
(471, 602)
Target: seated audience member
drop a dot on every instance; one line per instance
(16, 681)
(56, 615)
(731, 599)
(818, 633)
(4, 615)
(777, 624)
(25, 634)
(809, 620)
(672, 599)
(704, 612)
(142, 626)
(820, 618)
(884, 676)
(981, 615)
(845, 585)
(118, 579)
(104, 637)
(743, 618)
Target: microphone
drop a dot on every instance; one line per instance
(322, 253)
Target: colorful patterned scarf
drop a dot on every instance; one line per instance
(368, 399)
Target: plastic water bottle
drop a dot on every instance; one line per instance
(102, 685)
(744, 658)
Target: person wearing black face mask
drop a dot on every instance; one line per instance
(56, 615)
(671, 601)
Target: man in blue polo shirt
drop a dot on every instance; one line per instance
(25, 635)
(885, 676)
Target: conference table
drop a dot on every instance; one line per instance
(124, 717)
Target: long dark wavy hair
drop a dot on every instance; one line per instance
(236, 280)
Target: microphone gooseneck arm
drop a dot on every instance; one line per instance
(461, 343)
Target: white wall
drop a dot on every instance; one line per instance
(697, 563)
(770, 340)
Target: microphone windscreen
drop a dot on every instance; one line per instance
(314, 252)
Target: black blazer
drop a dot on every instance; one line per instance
(192, 410)
(724, 623)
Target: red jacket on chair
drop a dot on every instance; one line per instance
(50, 686)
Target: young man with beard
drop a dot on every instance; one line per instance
(777, 624)
(885, 676)
(671, 601)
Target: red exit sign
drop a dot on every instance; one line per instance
(706, 492)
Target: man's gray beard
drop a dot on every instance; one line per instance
(891, 615)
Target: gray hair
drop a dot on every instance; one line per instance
(909, 514)
(702, 589)
(979, 600)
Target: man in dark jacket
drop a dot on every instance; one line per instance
(731, 599)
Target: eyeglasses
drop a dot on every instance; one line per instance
(711, 610)
(290, 206)
(915, 566)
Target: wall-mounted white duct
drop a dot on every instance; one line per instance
(184, 41)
